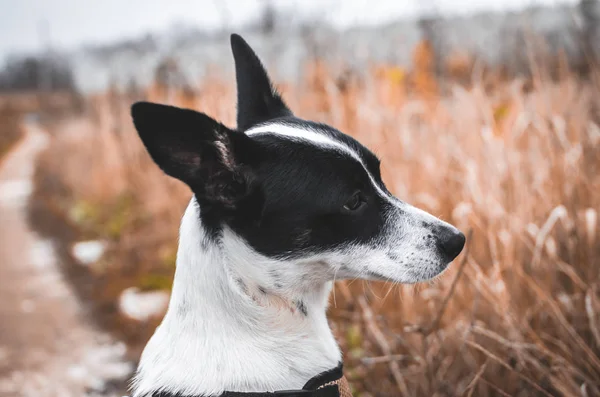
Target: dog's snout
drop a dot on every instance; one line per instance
(450, 241)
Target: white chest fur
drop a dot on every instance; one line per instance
(218, 336)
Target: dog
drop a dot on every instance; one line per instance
(281, 208)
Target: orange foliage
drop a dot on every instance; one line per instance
(424, 70)
(518, 168)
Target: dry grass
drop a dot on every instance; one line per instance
(517, 315)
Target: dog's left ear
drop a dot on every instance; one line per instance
(197, 150)
(258, 100)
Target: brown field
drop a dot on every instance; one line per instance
(514, 164)
(10, 127)
(14, 106)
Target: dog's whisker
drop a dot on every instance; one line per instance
(334, 287)
(391, 287)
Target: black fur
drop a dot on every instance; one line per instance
(304, 189)
(284, 197)
(302, 308)
(258, 101)
(196, 149)
(210, 158)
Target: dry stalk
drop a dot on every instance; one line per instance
(495, 388)
(561, 319)
(383, 344)
(384, 359)
(473, 383)
(505, 365)
(589, 309)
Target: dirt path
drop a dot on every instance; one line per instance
(48, 346)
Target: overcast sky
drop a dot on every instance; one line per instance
(75, 22)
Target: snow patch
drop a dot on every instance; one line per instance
(88, 252)
(14, 193)
(142, 306)
(42, 254)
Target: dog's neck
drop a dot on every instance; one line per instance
(233, 324)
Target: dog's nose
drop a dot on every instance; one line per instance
(450, 241)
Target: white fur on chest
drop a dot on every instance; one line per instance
(214, 339)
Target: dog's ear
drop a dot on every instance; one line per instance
(258, 100)
(195, 149)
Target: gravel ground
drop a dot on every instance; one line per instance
(48, 344)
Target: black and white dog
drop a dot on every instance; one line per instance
(282, 207)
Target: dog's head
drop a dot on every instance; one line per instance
(293, 193)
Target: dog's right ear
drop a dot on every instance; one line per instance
(258, 100)
(195, 149)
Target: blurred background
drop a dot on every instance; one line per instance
(485, 113)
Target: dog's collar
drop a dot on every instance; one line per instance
(331, 383)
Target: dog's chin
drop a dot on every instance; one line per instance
(411, 275)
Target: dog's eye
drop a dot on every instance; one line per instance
(355, 202)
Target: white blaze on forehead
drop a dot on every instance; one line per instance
(320, 140)
(304, 134)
